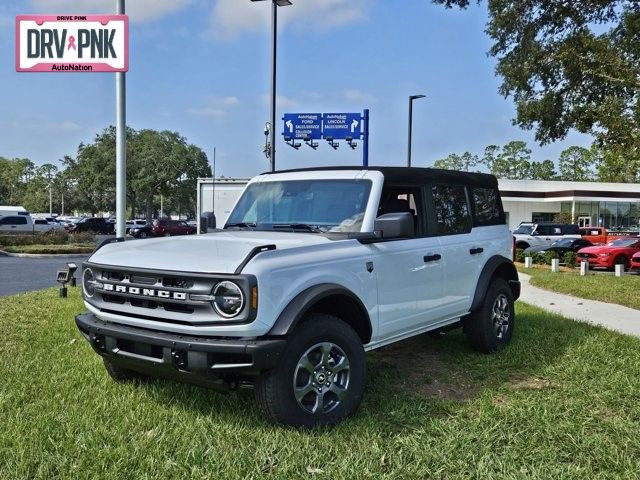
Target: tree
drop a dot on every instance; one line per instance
(158, 163)
(576, 164)
(464, 162)
(545, 170)
(512, 161)
(570, 65)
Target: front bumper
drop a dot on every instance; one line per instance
(602, 262)
(191, 359)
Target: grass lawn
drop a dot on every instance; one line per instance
(560, 402)
(606, 288)
(46, 249)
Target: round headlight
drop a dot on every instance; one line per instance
(87, 283)
(229, 300)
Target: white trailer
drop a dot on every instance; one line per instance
(218, 195)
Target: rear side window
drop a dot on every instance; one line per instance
(487, 206)
(452, 215)
(13, 221)
(570, 230)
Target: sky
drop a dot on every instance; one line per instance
(202, 68)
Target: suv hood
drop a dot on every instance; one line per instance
(219, 252)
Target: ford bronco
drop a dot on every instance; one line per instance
(313, 268)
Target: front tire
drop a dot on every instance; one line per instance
(622, 260)
(491, 326)
(320, 378)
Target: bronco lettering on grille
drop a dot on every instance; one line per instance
(144, 292)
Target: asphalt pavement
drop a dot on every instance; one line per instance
(18, 275)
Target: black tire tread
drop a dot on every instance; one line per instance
(271, 386)
(479, 336)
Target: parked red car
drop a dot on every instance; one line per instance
(171, 227)
(618, 252)
(635, 263)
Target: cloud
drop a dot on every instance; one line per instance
(230, 18)
(281, 101)
(138, 10)
(358, 96)
(40, 123)
(215, 107)
(207, 112)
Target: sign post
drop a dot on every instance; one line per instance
(121, 147)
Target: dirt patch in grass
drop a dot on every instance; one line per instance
(419, 370)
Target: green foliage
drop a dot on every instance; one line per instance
(465, 162)
(563, 217)
(570, 259)
(576, 164)
(520, 255)
(53, 249)
(548, 256)
(48, 238)
(571, 65)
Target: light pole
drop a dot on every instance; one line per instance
(274, 42)
(411, 99)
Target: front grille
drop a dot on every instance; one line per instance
(587, 255)
(154, 291)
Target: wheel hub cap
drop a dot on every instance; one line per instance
(321, 378)
(501, 316)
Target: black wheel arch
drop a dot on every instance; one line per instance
(326, 298)
(496, 266)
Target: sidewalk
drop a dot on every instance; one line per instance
(608, 315)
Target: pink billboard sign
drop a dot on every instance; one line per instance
(72, 43)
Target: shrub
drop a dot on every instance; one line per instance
(548, 256)
(570, 259)
(520, 255)
(49, 238)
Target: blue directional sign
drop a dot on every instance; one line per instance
(342, 125)
(303, 126)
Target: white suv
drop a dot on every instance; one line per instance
(543, 234)
(313, 268)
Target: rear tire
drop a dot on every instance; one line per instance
(120, 374)
(320, 378)
(490, 327)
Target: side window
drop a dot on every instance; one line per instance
(398, 199)
(570, 230)
(451, 210)
(544, 230)
(487, 207)
(13, 221)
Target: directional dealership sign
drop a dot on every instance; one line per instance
(72, 43)
(340, 126)
(303, 126)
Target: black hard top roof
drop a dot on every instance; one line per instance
(413, 175)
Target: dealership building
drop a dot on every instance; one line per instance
(615, 206)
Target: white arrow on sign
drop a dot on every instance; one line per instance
(354, 125)
(289, 125)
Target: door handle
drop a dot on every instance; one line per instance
(432, 258)
(475, 251)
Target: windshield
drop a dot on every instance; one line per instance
(623, 242)
(524, 230)
(308, 205)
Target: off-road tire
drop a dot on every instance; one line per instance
(480, 327)
(274, 389)
(120, 374)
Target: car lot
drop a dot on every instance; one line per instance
(19, 275)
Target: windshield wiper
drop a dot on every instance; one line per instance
(298, 226)
(240, 225)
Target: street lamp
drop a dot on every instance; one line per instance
(274, 38)
(411, 99)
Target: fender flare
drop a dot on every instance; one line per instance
(302, 303)
(493, 264)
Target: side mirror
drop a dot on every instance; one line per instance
(395, 225)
